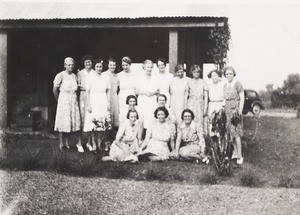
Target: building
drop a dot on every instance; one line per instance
(36, 37)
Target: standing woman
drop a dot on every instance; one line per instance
(216, 96)
(146, 89)
(178, 91)
(197, 96)
(126, 84)
(82, 75)
(67, 118)
(234, 103)
(114, 84)
(163, 80)
(98, 99)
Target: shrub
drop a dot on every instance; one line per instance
(59, 162)
(29, 159)
(116, 170)
(84, 167)
(289, 181)
(249, 178)
(209, 177)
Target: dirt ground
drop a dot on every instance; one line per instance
(49, 193)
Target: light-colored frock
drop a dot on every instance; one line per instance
(127, 83)
(160, 135)
(163, 83)
(114, 99)
(195, 102)
(81, 77)
(67, 113)
(146, 104)
(216, 101)
(129, 140)
(178, 87)
(190, 139)
(232, 102)
(98, 86)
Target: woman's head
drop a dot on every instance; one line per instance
(69, 64)
(148, 66)
(179, 70)
(161, 113)
(161, 64)
(195, 71)
(112, 64)
(131, 101)
(126, 62)
(132, 115)
(161, 100)
(98, 65)
(187, 116)
(87, 61)
(215, 75)
(229, 73)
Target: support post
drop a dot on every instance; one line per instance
(173, 50)
(3, 80)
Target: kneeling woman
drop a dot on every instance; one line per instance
(127, 140)
(159, 136)
(190, 143)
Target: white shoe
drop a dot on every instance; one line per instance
(89, 147)
(79, 148)
(240, 161)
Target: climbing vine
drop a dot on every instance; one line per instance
(220, 36)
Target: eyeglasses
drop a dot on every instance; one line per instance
(188, 116)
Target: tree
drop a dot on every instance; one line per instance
(291, 87)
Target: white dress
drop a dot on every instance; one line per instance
(98, 85)
(146, 104)
(126, 83)
(163, 83)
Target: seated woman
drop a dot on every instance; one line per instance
(127, 140)
(190, 143)
(162, 101)
(159, 136)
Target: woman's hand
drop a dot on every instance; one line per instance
(89, 108)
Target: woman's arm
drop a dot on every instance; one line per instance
(205, 102)
(178, 143)
(56, 92)
(242, 101)
(108, 98)
(89, 107)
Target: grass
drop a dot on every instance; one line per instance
(273, 156)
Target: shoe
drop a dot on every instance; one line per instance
(240, 161)
(94, 148)
(67, 146)
(89, 147)
(79, 148)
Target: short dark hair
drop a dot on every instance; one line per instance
(178, 67)
(161, 109)
(132, 111)
(229, 68)
(162, 60)
(219, 73)
(111, 60)
(161, 95)
(131, 97)
(126, 59)
(87, 57)
(98, 60)
(188, 111)
(195, 67)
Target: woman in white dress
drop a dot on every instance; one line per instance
(98, 99)
(126, 84)
(146, 89)
(179, 92)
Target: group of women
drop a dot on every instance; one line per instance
(157, 116)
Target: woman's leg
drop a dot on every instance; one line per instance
(239, 150)
(79, 144)
(61, 140)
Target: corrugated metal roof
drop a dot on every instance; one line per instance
(79, 10)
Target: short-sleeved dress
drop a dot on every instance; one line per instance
(114, 99)
(216, 101)
(127, 83)
(160, 135)
(129, 140)
(190, 139)
(146, 104)
(195, 102)
(98, 86)
(81, 77)
(232, 102)
(67, 113)
(178, 88)
(163, 83)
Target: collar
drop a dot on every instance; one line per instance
(193, 124)
(232, 83)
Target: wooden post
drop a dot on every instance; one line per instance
(3, 80)
(173, 50)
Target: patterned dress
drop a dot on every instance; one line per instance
(98, 86)
(67, 114)
(178, 87)
(232, 102)
(190, 139)
(114, 99)
(127, 83)
(195, 102)
(81, 77)
(160, 135)
(128, 136)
